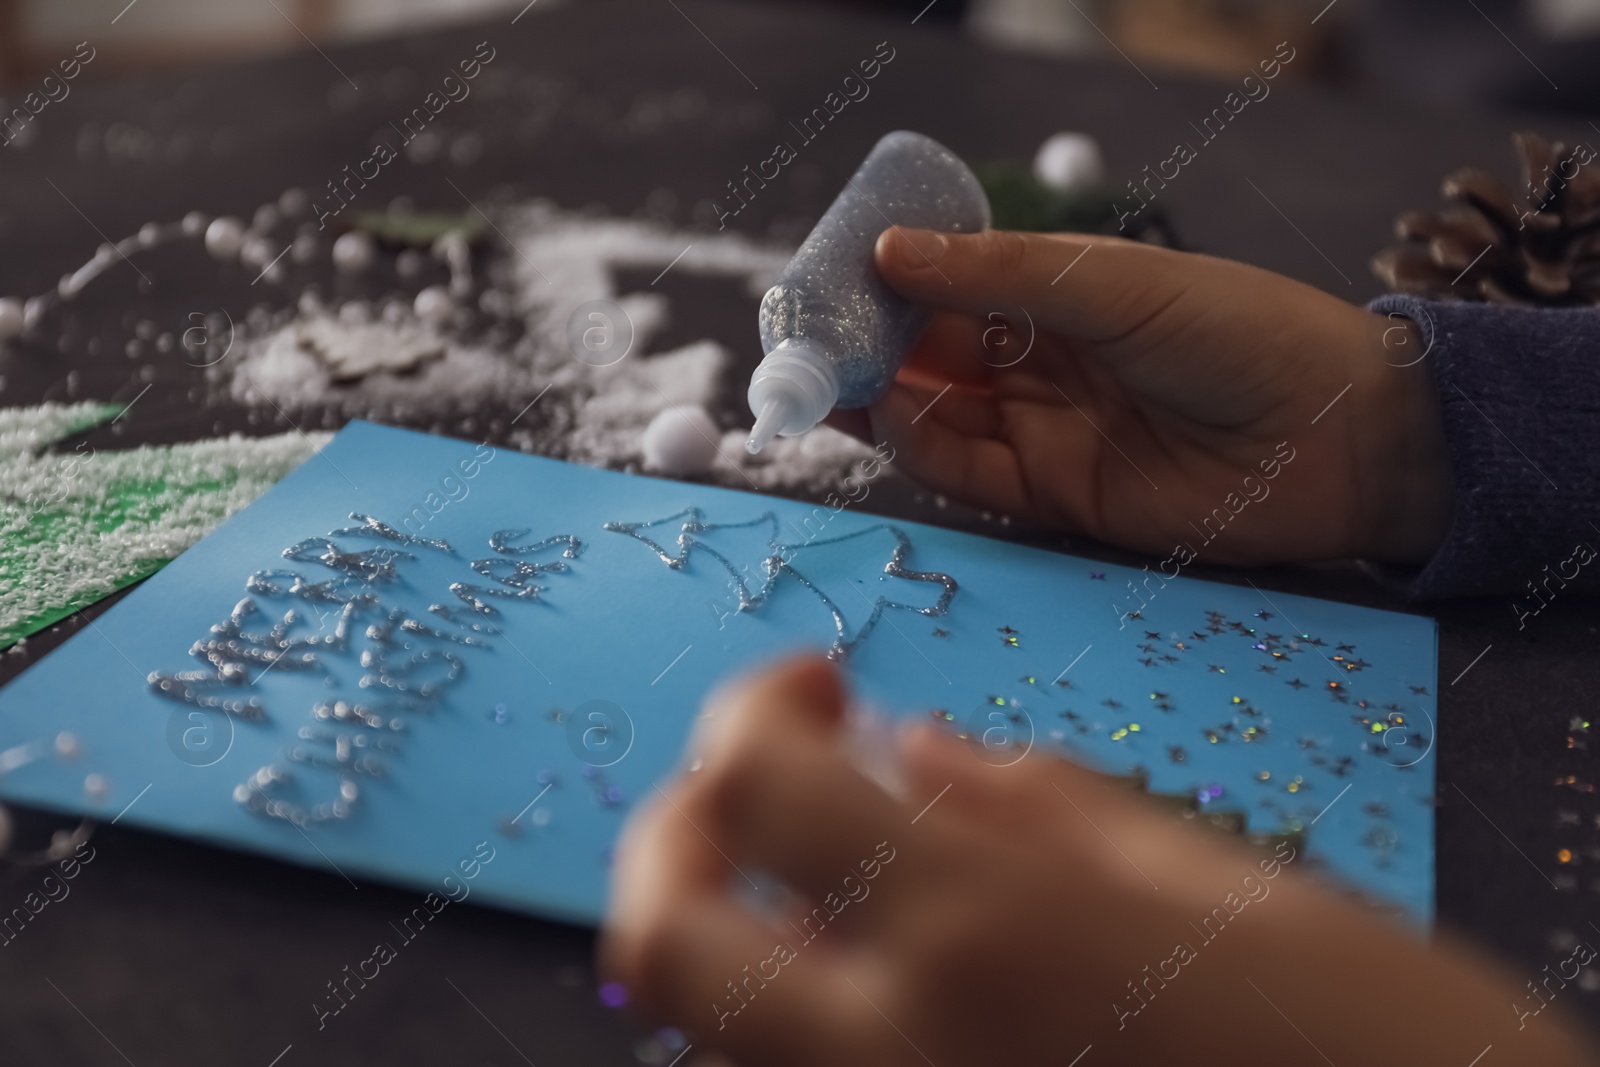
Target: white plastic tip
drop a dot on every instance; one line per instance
(774, 416)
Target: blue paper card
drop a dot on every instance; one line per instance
(413, 645)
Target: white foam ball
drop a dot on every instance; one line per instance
(304, 248)
(354, 252)
(293, 202)
(681, 439)
(1068, 162)
(257, 251)
(434, 306)
(11, 320)
(224, 238)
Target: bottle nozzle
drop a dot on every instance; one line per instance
(790, 392)
(775, 415)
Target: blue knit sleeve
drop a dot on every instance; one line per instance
(1520, 393)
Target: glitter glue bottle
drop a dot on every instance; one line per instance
(833, 332)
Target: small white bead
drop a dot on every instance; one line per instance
(354, 252)
(224, 238)
(257, 251)
(194, 224)
(411, 263)
(10, 318)
(466, 150)
(265, 218)
(1068, 162)
(304, 249)
(680, 440)
(67, 746)
(150, 234)
(434, 306)
(97, 786)
(294, 202)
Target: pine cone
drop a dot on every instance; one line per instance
(1540, 248)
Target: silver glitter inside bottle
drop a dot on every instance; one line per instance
(833, 331)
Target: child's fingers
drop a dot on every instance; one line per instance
(952, 349)
(676, 938)
(977, 470)
(1089, 287)
(958, 408)
(777, 789)
(853, 421)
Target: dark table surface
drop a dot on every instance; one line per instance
(171, 953)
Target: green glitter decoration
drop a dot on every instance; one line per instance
(421, 230)
(78, 524)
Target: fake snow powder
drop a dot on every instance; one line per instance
(408, 366)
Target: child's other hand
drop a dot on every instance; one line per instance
(1159, 391)
(1005, 915)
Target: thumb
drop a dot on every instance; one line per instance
(1090, 287)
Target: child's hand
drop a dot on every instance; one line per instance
(1010, 915)
(1157, 383)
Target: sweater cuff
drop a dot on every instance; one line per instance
(1519, 390)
